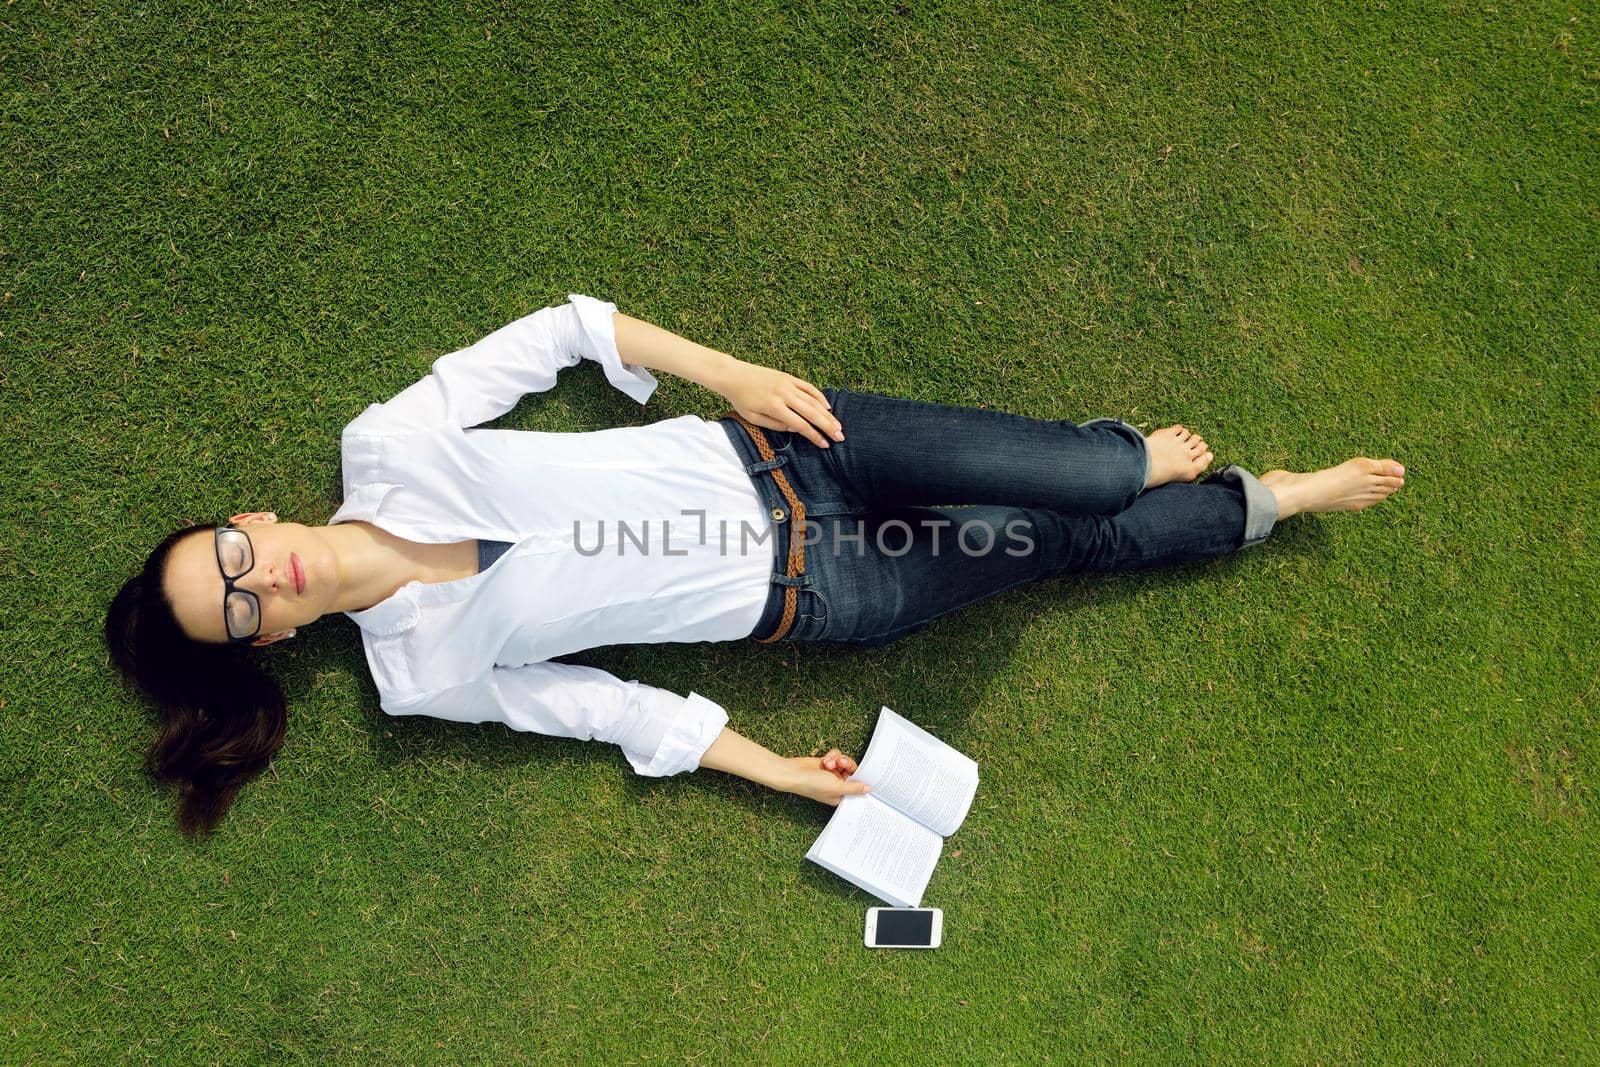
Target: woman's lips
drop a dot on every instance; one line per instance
(299, 573)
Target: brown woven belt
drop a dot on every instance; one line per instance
(797, 516)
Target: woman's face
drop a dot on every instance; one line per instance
(294, 577)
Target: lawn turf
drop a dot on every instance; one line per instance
(1331, 799)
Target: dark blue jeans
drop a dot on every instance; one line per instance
(925, 508)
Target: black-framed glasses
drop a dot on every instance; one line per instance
(241, 610)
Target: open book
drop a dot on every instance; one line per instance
(888, 841)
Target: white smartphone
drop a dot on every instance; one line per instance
(904, 927)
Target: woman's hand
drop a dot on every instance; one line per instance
(774, 400)
(769, 398)
(820, 778)
(825, 778)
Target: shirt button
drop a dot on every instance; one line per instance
(777, 514)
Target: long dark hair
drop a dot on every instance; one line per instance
(223, 717)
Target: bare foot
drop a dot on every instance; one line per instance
(1352, 485)
(1176, 455)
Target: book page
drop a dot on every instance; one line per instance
(879, 849)
(911, 770)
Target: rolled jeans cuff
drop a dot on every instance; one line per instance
(1260, 504)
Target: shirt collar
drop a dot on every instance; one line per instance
(393, 615)
(397, 612)
(362, 503)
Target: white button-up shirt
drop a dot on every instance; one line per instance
(478, 649)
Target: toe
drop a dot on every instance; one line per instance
(1384, 468)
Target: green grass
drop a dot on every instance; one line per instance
(1332, 799)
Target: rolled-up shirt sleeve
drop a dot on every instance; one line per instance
(597, 340)
(660, 732)
(486, 379)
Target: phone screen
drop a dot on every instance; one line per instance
(905, 928)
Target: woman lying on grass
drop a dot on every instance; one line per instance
(472, 558)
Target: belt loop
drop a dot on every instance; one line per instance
(796, 563)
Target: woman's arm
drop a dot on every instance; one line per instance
(769, 398)
(820, 778)
(487, 378)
